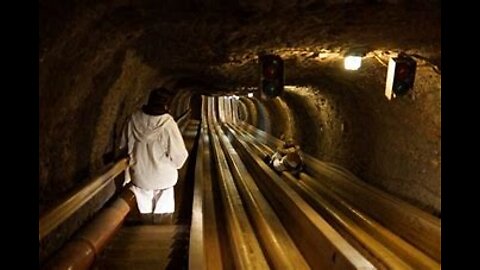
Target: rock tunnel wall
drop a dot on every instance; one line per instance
(82, 127)
(99, 59)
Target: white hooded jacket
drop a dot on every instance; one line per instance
(156, 150)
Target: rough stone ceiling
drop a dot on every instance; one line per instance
(218, 50)
(98, 59)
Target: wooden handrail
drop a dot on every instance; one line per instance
(65, 209)
(56, 216)
(183, 116)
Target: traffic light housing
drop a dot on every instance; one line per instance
(272, 81)
(400, 76)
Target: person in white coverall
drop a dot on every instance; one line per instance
(156, 150)
(286, 158)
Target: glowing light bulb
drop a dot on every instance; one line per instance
(353, 62)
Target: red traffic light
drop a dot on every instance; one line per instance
(272, 80)
(269, 72)
(400, 76)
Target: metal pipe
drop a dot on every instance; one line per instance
(81, 251)
(64, 210)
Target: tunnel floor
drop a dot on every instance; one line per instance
(140, 245)
(147, 247)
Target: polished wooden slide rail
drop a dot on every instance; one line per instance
(204, 247)
(241, 235)
(277, 243)
(391, 249)
(377, 242)
(246, 216)
(418, 227)
(266, 223)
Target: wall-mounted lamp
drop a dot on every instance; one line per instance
(353, 57)
(250, 95)
(353, 62)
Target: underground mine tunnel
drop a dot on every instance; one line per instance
(370, 195)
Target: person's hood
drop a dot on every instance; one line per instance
(147, 127)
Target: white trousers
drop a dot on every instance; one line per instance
(160, 201)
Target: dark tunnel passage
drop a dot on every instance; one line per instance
(99, 60)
